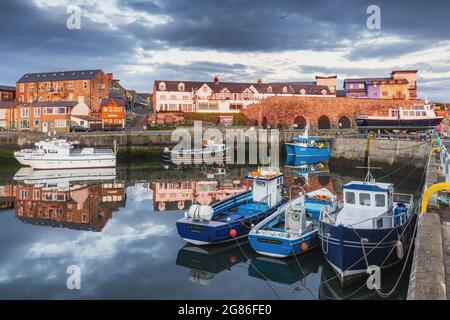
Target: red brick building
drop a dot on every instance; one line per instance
(113, 114)
(93, 85)
(7, 94)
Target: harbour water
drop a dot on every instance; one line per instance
(120, 232)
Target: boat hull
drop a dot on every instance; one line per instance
(38, 163)
(344, 251)
(276, 247)
(399, 124)
(311, 152)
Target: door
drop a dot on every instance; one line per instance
(44, 127)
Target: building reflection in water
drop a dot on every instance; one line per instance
(7, 196)
(180, 195)
(66, 200)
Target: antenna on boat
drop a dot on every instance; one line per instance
(369, 177)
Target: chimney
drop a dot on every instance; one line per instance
(110, 76)
(259, 81)
(216, 79)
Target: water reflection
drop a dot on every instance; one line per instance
(180, 195)
(205, 262)
(81, 200)
(138, 254)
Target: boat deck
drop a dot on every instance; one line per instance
(242, 211)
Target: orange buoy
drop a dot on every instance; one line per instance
(233, 233)
(304, 246)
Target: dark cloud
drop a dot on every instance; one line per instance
(36, 39)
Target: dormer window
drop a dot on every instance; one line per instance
(324, 92)
(269, 89)
(302, 91)
(162, 86)
(181, 86)
(284, 89)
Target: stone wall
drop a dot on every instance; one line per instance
(284, 110)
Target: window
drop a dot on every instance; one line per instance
(23, 194)
(61, 123)
(205, 89)
(24, 112)
(324, 92)
(302, 91)
(85, 84)
(22, 87)
(350, 197)
(48, 111)
(285, 89)
(411, 113)
(364, 199)
(380, 200)
(2, 114)
(70, 86)
(36, 194)
(379, 223)
(36, 122)
(181, 87)
(61, 110)
(173, 97)
(25, 124)
(162, 86)
(185, 97)
(37, 112)
(162, 97)
(269, 89)
(31, 87)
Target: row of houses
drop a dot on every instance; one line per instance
(232, 97)
(56, 101)
(61, 116)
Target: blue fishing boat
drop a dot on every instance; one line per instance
(232, 218)
(288, 231)
(372, 228)
(305, 146)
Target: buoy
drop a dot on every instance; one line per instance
(304, 247)
(399, 250)
(233, 259)
(233, 233)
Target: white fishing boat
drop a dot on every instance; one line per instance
(211, 152)
(63, 155)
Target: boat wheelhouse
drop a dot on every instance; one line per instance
(49, 145)
(292, 229)
(233, 218)
(419, 117)
(373, 228)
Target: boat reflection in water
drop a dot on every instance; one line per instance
(330, 286)
(206, 261)
(292, 271)
(180, 195)
(75, 199)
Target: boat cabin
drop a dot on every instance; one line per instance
(267, 185)
(364, 202)
(418, 111)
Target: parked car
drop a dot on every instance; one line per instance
(80, 129)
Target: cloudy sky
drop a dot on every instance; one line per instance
(140, 41)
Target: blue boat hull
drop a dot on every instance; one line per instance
(282, 248)
(344, 251)
(215, 232)
(298, 151)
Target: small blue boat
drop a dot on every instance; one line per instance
(288, 231)
(305, 146)
(372, 228)
(232, 218)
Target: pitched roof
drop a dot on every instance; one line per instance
(5, 105)
(239, 87)
(107, 101)
(53, 104)
(59, 76)
(7, 88)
